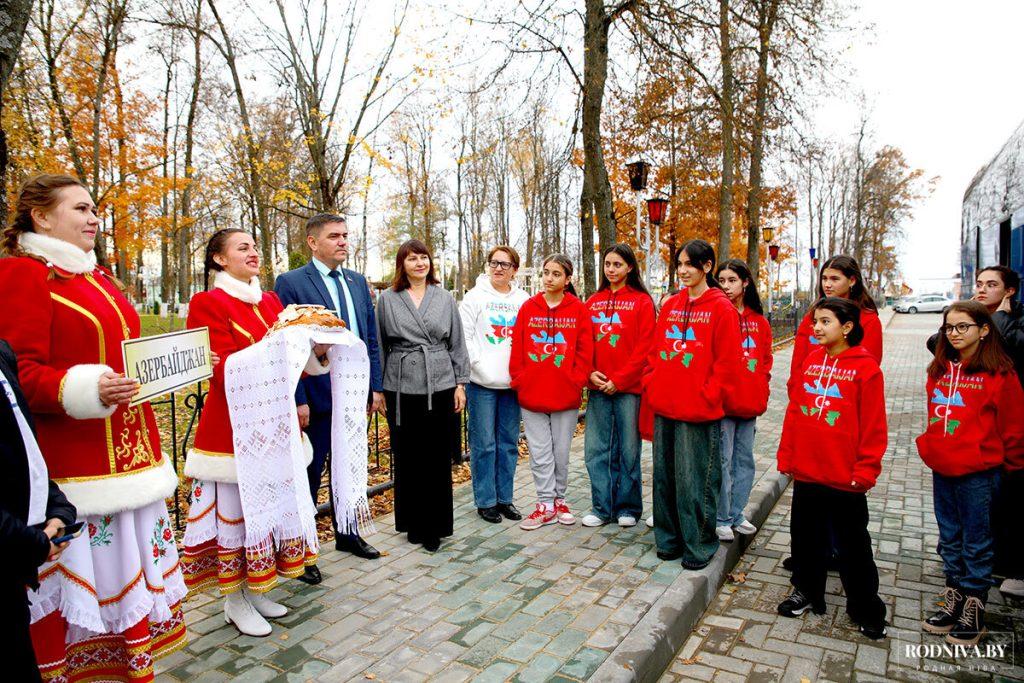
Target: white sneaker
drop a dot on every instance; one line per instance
(745, 528)
(1014, 587)
(264, 605)
(650, 521)
(238, 611)
(724, 533)
(592, 520)
(627, 520)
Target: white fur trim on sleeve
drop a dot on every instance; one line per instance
(80, 392)
(200, 465)
(313, 366)
(111, 495)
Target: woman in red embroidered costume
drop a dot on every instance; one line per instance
(111, 604)
(238, 313)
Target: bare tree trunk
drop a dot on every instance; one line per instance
(728, 135)
(165, 208)
(183, 235)
(767, 10)
(587, 237)
(11, 34)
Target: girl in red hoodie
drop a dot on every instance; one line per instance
(622, 313)
(839, 276)
(975, 425)
(695, 355)
(745, 400)
(552, 349)
(833, 439)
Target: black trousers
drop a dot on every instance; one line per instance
(1005, 510)
(816, 509)
(20, 659)
(421, 462)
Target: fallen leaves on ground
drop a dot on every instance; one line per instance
(737, 577)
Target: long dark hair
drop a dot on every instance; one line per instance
(401, 280)
(562, 260)
(848, 266)
(846, 311)
(214, 246)
(751, 297)
(632, 277)
(991, 356)
(699, 252)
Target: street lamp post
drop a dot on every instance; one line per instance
(657, 208)
(638, 171)
(773, 251)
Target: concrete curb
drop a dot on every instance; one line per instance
(652, 643)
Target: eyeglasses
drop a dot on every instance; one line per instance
(500, 265)
(961, 328)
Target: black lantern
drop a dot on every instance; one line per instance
(638, 174)
(657, 208)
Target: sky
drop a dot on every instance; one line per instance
(943, 82)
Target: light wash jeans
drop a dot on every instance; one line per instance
(550, 437)
(737, 469)
(493, 443)
(611, 447)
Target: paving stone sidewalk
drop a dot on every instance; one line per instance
(741, 637)
(495, 603)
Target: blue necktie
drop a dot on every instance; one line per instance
(342, 307)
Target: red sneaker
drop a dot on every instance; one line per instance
(565, 516)
(538, 518)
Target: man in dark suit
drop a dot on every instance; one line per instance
(24, 547)
(323, 281)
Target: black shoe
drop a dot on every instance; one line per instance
(431, 544)
(970, 627)
(788, 564)
(695, 566)
(414, 538)
(509, 512)
(669, 557)
(356, 546)
(945, 619)
(832, 564)
(873, 631)
(489, 514)
(311, 576)
(797, 603)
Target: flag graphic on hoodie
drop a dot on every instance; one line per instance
(546, 346)
(676, 344)
(820, 402)
(944, 403)
(607, 327)
(501, 326)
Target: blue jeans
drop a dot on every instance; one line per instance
(737, 469)
(493, 443)
(611, 446)
(963, 511)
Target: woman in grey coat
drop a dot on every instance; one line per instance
(426, 368)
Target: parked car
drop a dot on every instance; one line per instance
(928, 303)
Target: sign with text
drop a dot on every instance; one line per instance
(165, 362)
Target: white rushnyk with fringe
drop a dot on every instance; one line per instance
(260, 383)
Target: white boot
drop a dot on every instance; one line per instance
(264, 605)
(650, 521)
(238, 611)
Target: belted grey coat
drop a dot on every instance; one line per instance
(423, 349)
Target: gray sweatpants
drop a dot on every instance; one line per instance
(549, 436)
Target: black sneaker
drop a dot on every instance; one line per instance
(788, 564)
(509, 512)
(489, 514)
(970, 627)
(797, 603)
(873, 631)
(945, 619)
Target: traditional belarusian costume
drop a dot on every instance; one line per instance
(111, 604)
(238, 315)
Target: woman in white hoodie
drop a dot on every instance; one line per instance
(488, 316)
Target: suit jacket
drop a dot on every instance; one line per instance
(24, 548)
(305, 286)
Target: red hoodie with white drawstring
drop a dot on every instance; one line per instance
(623, 325)
(695, 357)
(748, 397)
(804, 342)
(835, 429)
(975, 422)
(552, 354)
